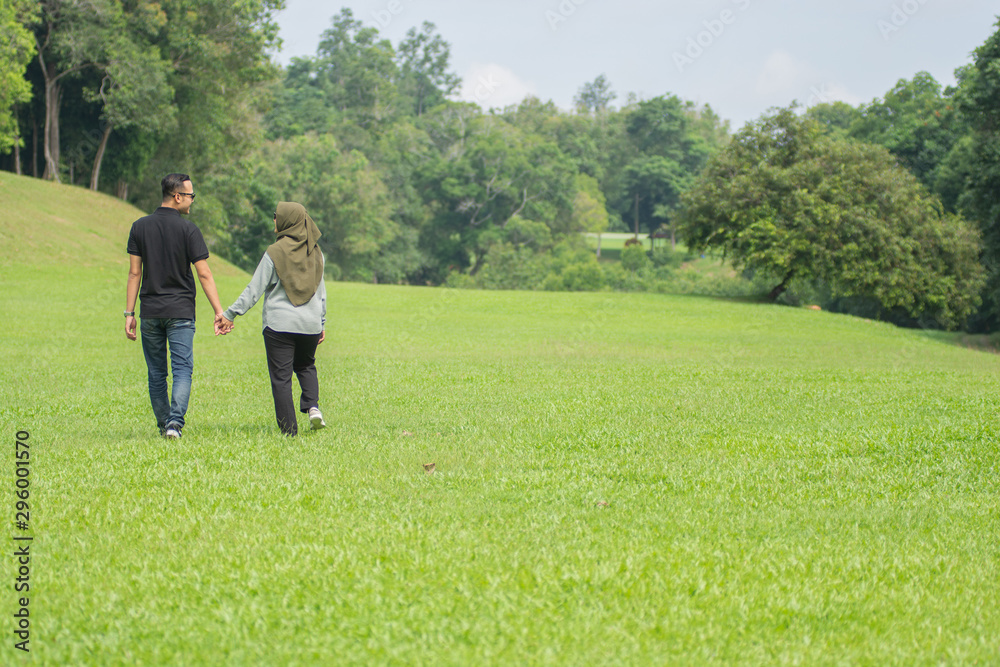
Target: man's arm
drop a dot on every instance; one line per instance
(208, 284)
(131, 293)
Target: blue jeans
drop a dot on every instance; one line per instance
(157, 333)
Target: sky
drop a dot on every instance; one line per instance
(741, 57)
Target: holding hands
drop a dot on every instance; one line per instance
(223, 325)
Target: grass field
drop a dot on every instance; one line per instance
(620, 479)
(612, 243)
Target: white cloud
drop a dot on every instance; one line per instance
(832, 92)
(782, 73)
(493, 85)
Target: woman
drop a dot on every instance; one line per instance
(290, 278)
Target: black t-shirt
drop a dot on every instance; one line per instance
(168, 245)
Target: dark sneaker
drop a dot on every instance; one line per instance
(172, 433)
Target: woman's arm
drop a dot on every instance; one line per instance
(263, 277)
(322, 295)
(322, 292)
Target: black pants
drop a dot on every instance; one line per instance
(288, 352)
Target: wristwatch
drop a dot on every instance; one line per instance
(129, 313)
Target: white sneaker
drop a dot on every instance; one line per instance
(316, 418)
(172, 434)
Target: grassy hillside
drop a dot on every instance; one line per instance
(619, 478)
(53, 225)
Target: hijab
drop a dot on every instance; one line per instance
(296, 254)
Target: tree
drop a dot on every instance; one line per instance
(634, 257)
(221, 73)
(785, 200)
(357, 71)
(135, 66)
(16, 50)
(655, 183)
(69, 37)
(422, 59)
(706, 124)
(134, 93)
(300, 104)
(356, 85)
(660, 126)
(589, 208)
(486, 173)
(595, 97)
(836, 118)
(980, 101)
(670, 148)
(345, 197)
(953, 176)
(578, 138)
(917, 123)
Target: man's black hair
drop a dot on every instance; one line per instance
(172, 183)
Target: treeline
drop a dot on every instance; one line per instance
(411, 186)
(121, 90)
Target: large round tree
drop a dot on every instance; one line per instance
(785, 200)
(979, 101)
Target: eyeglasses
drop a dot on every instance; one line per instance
(186, 194)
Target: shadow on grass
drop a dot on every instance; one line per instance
(196, 431)
(751, 298)
(989, 343)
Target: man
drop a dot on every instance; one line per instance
(162, 247)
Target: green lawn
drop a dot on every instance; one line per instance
(611, 245)
(619, 479)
